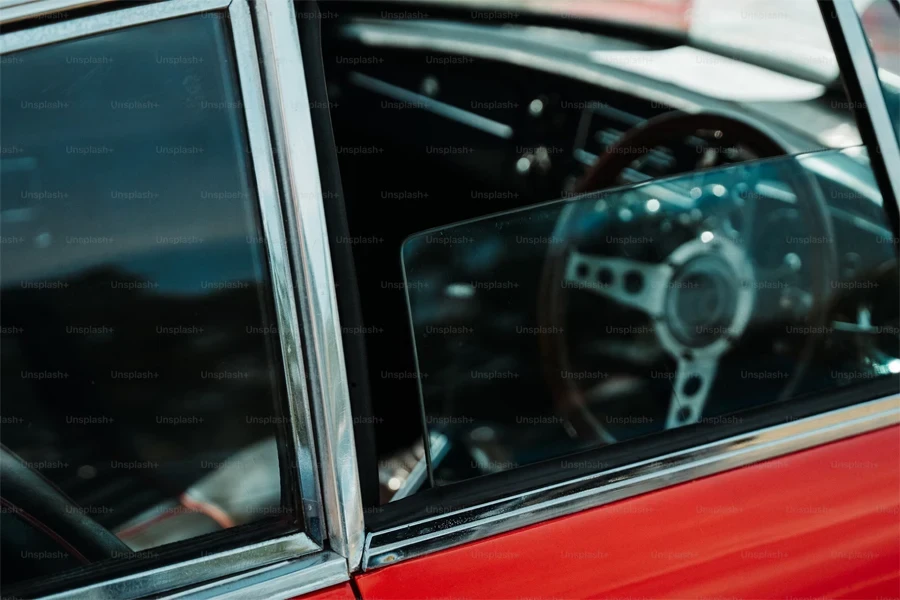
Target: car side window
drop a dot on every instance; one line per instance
(683, 301)
(141, 366)
(708, 270)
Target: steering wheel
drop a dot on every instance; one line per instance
(50, 513)
(693, 272)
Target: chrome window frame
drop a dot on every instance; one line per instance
(17, 10)
(282, 64)
(296, 563)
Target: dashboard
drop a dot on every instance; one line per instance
(526, 109)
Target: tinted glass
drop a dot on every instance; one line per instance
(141, 369)
(586, 322)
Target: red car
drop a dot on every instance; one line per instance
(456, 299)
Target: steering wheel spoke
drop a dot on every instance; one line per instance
(690, 390)
(632, 283)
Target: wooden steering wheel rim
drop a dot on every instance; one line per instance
(662, 130)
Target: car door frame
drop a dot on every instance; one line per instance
(444, 524)
(320, 423)
(381, 547)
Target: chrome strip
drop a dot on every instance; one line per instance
(298, 168)
(459, 527)
(289, 330)
(395, 35)
(16, 10)
(873, 93)
(280, 581)
(205, 568)
(94, 24)
(436, 107)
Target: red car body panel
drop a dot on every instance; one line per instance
(672, 15)
(341, 591)
(821, 523)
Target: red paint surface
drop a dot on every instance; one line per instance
(664, 14)
(342, 591)
(822, 523)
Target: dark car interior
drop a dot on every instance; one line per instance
(138, 352)
(447, 118)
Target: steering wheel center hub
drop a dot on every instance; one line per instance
(709, 299)
(701, 301)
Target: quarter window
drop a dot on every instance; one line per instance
(141, 366)
(684, 301)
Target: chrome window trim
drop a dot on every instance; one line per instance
(279, 581)
(52, 33)
(289, 330)
(870, 83)
(282, 64)
(284, 550)
(17, 10)
(190, 572)
(447, 530)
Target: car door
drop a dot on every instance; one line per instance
(800, 502)
(795, 500)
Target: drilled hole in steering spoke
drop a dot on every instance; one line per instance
(684, 413)
(692, 385)
(634, 282)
